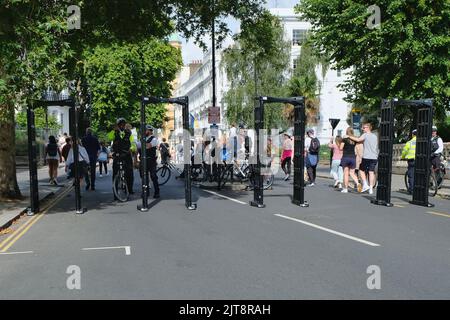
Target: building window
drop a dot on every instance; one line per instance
(298, 36)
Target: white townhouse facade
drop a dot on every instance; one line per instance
(196, 83)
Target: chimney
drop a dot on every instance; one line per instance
(194, 66)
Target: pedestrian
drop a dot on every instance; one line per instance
(62, 139)
(92, 146)
(65, 149)
(103, 159)
(336, 170)
(53, 158)
(312, 149)
(348, 161)
(286, 156)
(164, 150)
(123, 146)
(83, 161)
(370, 157)
(151, 144)
(233, 140)
(437, 148)
(409, 154)
(359, 150)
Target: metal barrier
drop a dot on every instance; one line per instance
(184, 102)
(32, 154)
(299, 146)
(424, 120)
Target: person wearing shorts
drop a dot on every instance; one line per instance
(370, 156)
(348, 161)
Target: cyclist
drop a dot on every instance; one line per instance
(409, 153)
(151, 143)
(164, 148)
(437, 148)
(122, 147)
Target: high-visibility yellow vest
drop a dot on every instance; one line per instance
(409, 150)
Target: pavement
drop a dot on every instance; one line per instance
(340, 247)
(9, 211)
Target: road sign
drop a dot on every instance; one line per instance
(213, 115)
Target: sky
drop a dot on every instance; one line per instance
(192, 52)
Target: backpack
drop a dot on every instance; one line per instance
(314, 147)
(52, 149)
(434, 144)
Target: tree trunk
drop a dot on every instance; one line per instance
(9, 188)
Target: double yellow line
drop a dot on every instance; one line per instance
(16, 235)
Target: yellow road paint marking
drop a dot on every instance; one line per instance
(16, 232)
(4, 245)
(439, 214)
(38, 216)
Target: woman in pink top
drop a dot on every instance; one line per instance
(336, 170)
(286, 156)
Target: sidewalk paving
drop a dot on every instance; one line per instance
(10, 210)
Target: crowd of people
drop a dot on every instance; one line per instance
(353, 157)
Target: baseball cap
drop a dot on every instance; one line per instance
(434, 128)
(120, 120)
(148, 127)
(414, 132)
(310, 131)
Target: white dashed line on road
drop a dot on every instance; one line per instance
(10, 253)
(225, 197)
(127, 249)
(330, 231)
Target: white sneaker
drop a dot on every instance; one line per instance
(345, 190)
(336, 183)
(312, 184)
(365, 188)
(370, 190)
(286, 178)
(101, 176)
(340, 186)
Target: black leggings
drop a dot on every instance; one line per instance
(283, 165)
(105, 164)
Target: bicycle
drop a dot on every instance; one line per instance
(436, 180)
(120, 186)
(243, 173)
(165, 171)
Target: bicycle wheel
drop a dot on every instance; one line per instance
(120, 187)
(433, 187)
(163, 174)
(225, 175)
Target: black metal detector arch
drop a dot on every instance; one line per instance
(424, 117)
(299, 146)
(32, 154)
(184, 102)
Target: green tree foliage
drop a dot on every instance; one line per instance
(37, 51)
(117, 75)
(39, 120)
(259, 47)
(304, 82)
(407, 57)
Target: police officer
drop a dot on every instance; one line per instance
(122, 147)
(151, 143)
(409, 153)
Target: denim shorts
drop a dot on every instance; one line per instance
(348, 162)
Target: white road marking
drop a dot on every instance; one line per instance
(225, 197)
(23, 252)
(127, 249)
(330, 231)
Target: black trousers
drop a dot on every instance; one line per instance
(411, 164)
(102, 164)
(92, 170)
(286, 161)
(128, 167)
(151, 167)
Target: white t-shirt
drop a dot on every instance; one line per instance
(83, 156)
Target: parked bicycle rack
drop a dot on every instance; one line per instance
(32, 154)
(184, 102)
(299, 146)
(424, 116)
